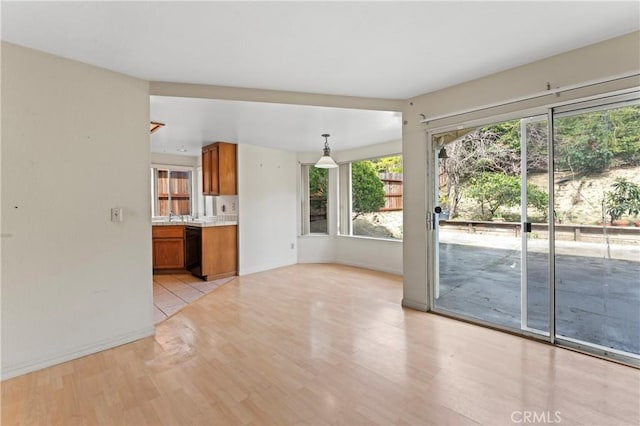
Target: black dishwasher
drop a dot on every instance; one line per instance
(192, 248)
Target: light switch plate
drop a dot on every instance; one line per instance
(116, 214)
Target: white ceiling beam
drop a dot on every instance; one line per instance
(205, 91)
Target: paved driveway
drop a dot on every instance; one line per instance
(597, 299)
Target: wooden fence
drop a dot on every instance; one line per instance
(392, 191)
(178, 187)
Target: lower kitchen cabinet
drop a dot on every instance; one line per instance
(219, 252)
(209, 252)
(168, 247)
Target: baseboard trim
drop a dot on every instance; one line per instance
(371, 267)
(318, 260)
(38, 364)
(262, 269)
(414, 305)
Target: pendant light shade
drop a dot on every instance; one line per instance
(326, 162)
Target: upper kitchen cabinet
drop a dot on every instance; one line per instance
(219, 169)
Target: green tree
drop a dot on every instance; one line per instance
(592, 142)
(538, 198)
(625, 140)
(495, 190)
(317, 182)
(391, 164)
(367, 188)
(583, 143)
(318, 199)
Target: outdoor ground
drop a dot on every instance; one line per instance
(597, 298)
(379, 225)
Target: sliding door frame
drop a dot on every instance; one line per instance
(551, 111)
(432, 238)
(575, 108)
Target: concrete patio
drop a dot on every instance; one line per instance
(597, 298)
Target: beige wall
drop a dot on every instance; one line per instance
(75, 142)
(609, 59)
(267, 215)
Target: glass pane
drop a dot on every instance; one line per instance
(537, 241)
(597, 239)
(163, 193)
(181, 192)
(318, 184)
(479, 241)
(376, 196)
(173, 192)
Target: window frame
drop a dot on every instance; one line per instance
(345, 225)
(305, 202)
(154, 187)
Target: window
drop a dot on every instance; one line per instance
(315, 200)
(171, 191)
(376, 198)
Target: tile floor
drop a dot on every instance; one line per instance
(175, 291)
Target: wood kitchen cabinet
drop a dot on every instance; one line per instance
(168, 247)
(219, 169)
(219, 252)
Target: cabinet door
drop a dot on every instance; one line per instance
(215, 179)
(227, 169)
(206, 171)
(219, 251)
(168, 253)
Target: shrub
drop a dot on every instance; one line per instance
(495, 190)
(623, 199)
(367, 188)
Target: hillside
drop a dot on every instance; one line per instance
(579, 200)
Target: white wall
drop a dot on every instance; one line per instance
(267, 218)
(316, 249)
(75, 142)
(612, 58)
(370, 253)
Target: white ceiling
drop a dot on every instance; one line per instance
(192, 123)
(377, 49)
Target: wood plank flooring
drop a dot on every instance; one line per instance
(323, 344)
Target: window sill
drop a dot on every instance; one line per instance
(362, 237)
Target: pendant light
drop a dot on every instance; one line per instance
(326, 162)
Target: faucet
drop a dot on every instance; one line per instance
(170, 216)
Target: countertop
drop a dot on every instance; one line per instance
(201, 223)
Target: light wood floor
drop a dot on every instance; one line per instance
(323, 344)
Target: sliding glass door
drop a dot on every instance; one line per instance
(535, 221)
(596, 177)
(490, 224)
(541, 235)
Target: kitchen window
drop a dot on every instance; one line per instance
(172, 191)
